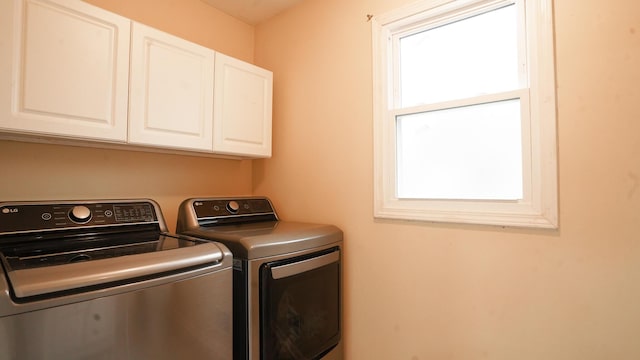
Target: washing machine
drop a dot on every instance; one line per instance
(287, 277)
(103, 279)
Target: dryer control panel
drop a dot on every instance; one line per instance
(233, 210)
(232, 207)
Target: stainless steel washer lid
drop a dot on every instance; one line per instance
(262, 239)
(52, 247)
(51, 279)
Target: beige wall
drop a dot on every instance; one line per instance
(39, 171)
(420, 291)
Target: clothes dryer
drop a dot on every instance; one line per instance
(287, 285)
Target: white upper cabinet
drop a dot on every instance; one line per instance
(242, 111)
(63, 69)
(171, 91)
(71, 70)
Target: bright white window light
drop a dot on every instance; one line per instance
(470, 57)
(471, 152)
(463, 152)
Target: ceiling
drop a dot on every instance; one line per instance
(251, 11)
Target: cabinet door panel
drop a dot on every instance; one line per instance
(171, 94)
(242, 112)
(69, 70)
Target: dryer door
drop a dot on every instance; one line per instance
(300, 306)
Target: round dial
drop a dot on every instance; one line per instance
(233, 206)
(80, 214)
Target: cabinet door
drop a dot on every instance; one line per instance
(171, 92)
(242, 112)
(63, 69)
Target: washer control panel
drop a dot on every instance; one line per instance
(16, 217)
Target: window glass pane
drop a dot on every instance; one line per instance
(466, 58)
(471, 153)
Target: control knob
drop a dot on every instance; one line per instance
(80, 214)
(233, 207)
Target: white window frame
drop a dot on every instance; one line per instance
(538, 208)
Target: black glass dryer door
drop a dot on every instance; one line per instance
(300, 307)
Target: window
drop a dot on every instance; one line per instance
(464, 113)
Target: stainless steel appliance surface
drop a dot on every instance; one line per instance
(287, 281)
(103, 279)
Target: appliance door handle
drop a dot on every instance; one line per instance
(282, 271)
(44, 280)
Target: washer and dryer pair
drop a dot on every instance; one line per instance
(104, 278)
(287, 282)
